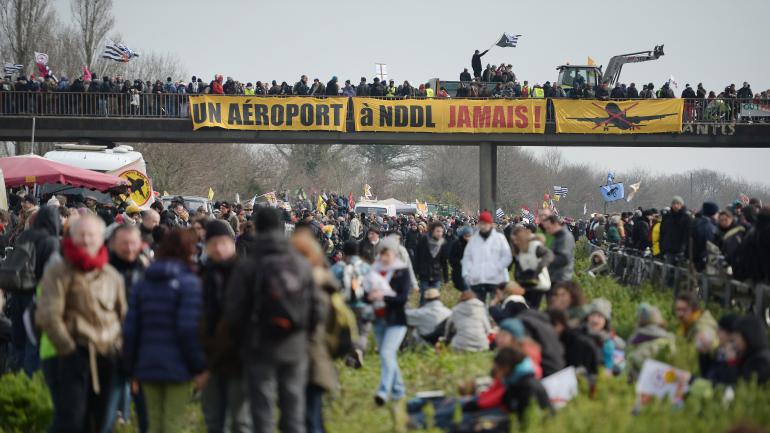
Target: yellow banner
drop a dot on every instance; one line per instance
(618, 117)
(269, 114)
(450, 115)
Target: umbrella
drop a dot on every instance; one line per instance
(32, 169)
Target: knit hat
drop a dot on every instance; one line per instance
(431, 294)
(513, 327)
(218, 228)
(677, 199)
(53, 202)
(709, 209)
(485, 217)
(603, 307)
(649, 314)
(464, 231)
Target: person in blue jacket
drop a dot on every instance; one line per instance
(161, 347)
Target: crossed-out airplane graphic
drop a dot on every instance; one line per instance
(618, 118)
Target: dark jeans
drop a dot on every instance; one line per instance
(314, 419)
(482, 290)
(287, 380)
(458, 280)
(425, 285)
(76, 408)
(224, 399)
(25, 356)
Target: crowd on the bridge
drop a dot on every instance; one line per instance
(246, 303)
(120, 96)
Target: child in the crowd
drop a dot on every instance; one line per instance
(598, 327)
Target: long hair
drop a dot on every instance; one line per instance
(178, 244)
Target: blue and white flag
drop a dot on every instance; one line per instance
(612, 192)
(508, 40)
(499, 213)
(560, 191)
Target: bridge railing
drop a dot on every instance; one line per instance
(633, 268)
(176, 105)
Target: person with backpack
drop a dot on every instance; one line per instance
(272, 309)
(79, 312)
(225, 391)
(20, 274)
(162, 349)
(350, 272)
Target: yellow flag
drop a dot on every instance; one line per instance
(211, 194)
(321, 205)
(591, 61)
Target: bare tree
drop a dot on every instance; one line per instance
(94, 20)
(22, 24)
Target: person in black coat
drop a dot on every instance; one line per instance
(750, 340)
(476, 62)
(367, 247)
(640, 234)
(465, 75)
(456, 251)
(632, 92)
(704, 230)
(674, 230)
(430, 260)
(538, 326)
(332, 87)
(579, 350)
(411, 238)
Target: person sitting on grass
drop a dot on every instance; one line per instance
(598, 327)
(508, 302)
(427, 318)
(513, 387)
(512, 334)
(568, 297)
(579, 350)
(468, 326)
(649, 340)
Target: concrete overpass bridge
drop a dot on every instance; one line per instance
(66, 121)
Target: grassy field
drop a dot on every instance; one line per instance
(352, 410)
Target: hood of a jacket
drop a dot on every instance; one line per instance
(470, 307)
(753, 332)
(47, 219)
(166, 269)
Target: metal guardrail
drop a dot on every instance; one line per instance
(176, 105)
(633, 269)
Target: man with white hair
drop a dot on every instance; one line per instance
(81, 306)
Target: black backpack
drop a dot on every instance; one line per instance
(286, 299)
(17, 271)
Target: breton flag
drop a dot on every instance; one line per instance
(499, 213)
(508, 40)
(12, 68)
(560, 191)
(118, 52)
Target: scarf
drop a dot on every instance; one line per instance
(79, 258)
(435, 246)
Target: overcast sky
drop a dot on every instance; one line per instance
(710, 41)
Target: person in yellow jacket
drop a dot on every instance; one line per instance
(656, 236)
(538, 92)
(429, 93)
(248, 90)
(390, 91)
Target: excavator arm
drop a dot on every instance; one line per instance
(612, 73)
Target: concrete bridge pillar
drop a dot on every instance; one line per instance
(487, 177)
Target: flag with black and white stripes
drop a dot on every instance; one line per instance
(12, 68)
(508, 40)
(118, 52)
(560, 191)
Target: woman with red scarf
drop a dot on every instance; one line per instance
(80, 309)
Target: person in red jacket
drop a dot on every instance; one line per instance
(216, 86)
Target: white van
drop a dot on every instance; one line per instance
(122, 161)
(377, 208)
